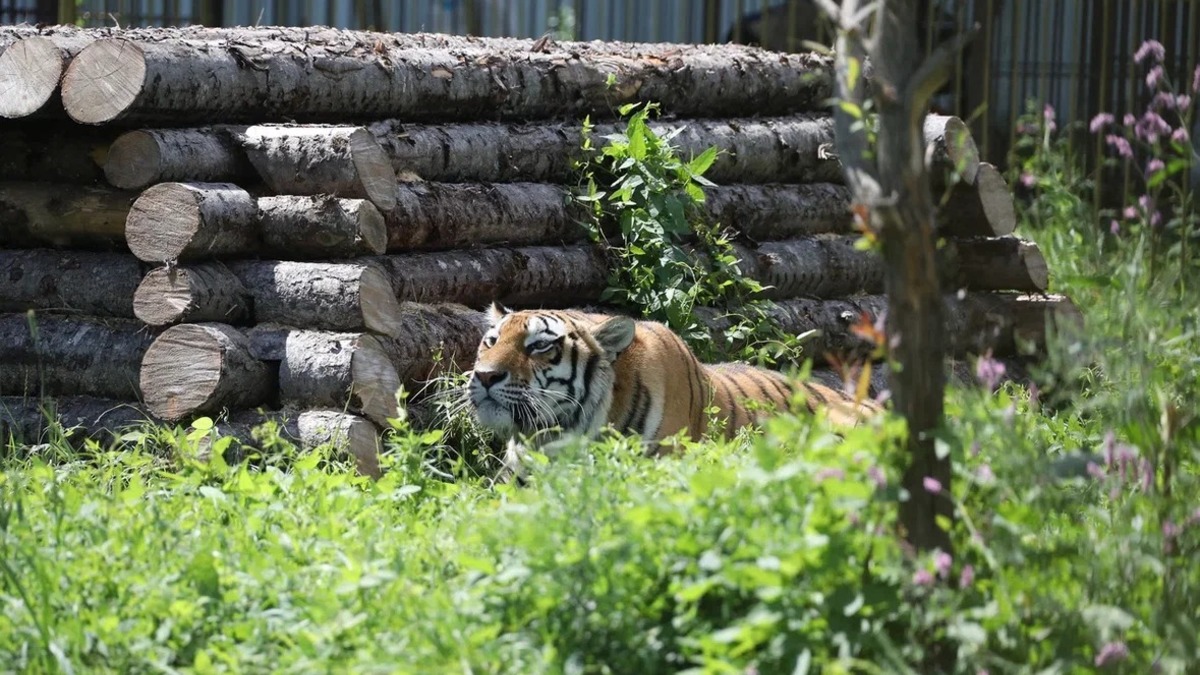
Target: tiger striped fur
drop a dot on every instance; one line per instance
(565, 372)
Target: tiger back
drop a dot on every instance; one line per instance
(566, 372)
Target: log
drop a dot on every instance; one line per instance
(324, 296)
(63, 216)
(55, 153)
(191, 294)
(950, 149)
(200, 368)
(440, 338)
(319, 369)
(981, 209)
(321, 227)
(342, 161)
(996, 264)
(99, 284)
(181, 221)
(333, 75)
(349, 434)
(824, 266)
(31, 68)
(776, 150)
(138, 159)
(32, 421)
(48, 355)
(450, 215)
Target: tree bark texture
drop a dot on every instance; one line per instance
(46, 355)
(31, 68)
(343, 161)
(31, 421)
(182, 221)
(202, 368)
(63, 216)
(349, 434)
(439, 338)
(321, 227)
(980, 209)
(324, 296)
(138, 159)
(995, 264)
(322, 369)
(192, 221)
(310, 75)
(204, 292)
(55, 153)
(772, 150)
(99, 284)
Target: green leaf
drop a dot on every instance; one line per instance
(701, 164)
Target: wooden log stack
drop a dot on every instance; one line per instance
(292, 224)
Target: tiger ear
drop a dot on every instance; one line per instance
(495, 312)
(615, 334)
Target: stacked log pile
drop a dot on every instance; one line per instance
(301, 221)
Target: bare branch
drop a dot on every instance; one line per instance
(935, 71)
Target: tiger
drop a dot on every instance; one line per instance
(555, 373)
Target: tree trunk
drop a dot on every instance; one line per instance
(62, 216)
(342, 161)
(319, 369)
(31, 68)
(308, 429)
(996, 264)
(43, 355)
(312, 75)
(776, 150)
(764, 212)
(324, 296)
(201, 368)
(193, 294)
(139, 159)
(321, 227)
(99, 284)
(980, 209)
(32, 421)
(181, 221)
(54, 153)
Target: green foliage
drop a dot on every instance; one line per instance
(666, 261)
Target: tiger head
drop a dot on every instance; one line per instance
(543, 370)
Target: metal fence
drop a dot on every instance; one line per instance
(1073, 54)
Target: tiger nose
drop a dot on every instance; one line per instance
(490, 377)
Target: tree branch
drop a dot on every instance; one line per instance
(935, 72)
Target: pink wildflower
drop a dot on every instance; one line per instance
(1112, 652)
(1114, 227)
(966, 577)
(1151, 126)
(1128, 120)
(1180, 135)
(1196, 81)
(1170, 530)
(1028, 180)
(1154, 77)
(1130, 213)
(1094, 470)
(942, 562)
(1146, 469)
(878, 477)
(1163, 100)
(1048, 116)
(1120, 144)
(1151, 48)
(828, 472)
(922, 578)
(986, 475)
(1183, 101)
(932, 485)
(1100, 121)
(1154, 166)
(989, 371)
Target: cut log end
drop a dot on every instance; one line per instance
(133, 161)
(953, 145)
(29, 73)
(374, 169)
(103, 81)
(997, 200)
(163, 221)
(206, 292)
(375, 381)
(380, 309)
(198, 368)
